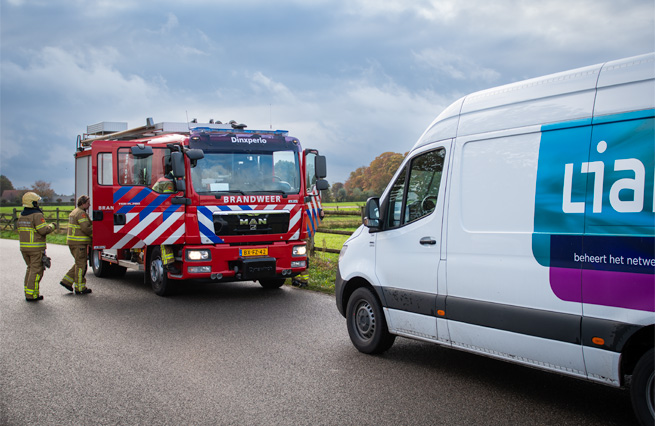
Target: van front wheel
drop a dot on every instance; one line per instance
(642, 389)
(367, 326)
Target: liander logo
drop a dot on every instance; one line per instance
(626, 195)
(248, 140)
(594, 216)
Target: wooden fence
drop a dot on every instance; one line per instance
(337, 212)
(9, 221)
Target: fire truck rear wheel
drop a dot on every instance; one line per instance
(100, 267)
(156, 275)
(272, 283)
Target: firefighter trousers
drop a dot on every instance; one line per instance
(34, 273)
(76, 275)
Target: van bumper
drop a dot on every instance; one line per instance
(339, 286)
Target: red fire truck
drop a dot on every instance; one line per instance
(188, 200)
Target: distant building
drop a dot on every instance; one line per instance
(12, 196)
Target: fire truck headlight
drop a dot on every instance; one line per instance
(198, 255)
(298, 264)
(299, 250)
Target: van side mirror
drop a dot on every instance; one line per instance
(141, 151)
(372, 214)
(321, 167)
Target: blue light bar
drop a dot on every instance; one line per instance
(226, 131)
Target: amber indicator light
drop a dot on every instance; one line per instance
(441, 312)
(598, 341)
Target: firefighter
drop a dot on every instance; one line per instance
(165, 184)
(80, 233)
(32, 230)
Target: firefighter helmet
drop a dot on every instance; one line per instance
(30, 199)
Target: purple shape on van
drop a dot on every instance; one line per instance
(606, 288)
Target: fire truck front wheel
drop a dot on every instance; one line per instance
(156, 275)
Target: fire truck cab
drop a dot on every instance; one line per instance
(213, 201)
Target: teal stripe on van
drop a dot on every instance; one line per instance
(566, 124)
(633, 115)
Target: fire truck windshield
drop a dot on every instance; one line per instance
(239, 172)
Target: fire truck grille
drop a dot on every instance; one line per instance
(251, 223)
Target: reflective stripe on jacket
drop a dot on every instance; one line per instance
(80, 229)
(32, 230)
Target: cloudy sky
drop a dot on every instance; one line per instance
(352, 78)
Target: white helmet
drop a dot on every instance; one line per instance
(31, 199)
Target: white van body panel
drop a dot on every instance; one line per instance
(544, 225)
(362, 265)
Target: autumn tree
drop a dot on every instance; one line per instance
(370, 181)
(44, 190)
(334, 189)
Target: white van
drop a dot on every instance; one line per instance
(521, 227)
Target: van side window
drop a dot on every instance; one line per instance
(418, 198)
(396, 196)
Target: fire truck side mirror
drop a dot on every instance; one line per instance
(195, 154)
(141, 151)
(322, 184)
(177, 163)
(321, 167)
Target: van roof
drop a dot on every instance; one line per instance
(564, 96)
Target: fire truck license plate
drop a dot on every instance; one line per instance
(253, 252)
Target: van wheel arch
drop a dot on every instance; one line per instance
(638, 344)
(354, 284)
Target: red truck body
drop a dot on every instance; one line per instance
(231, 204)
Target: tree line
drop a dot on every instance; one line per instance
(41, 187)
(366, 181)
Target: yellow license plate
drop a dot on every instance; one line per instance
(253, 252)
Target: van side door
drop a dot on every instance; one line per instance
(409, 247)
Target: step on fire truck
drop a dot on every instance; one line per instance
(189, 200)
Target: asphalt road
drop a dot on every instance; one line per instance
(235, 354)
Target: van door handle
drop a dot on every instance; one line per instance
(427, 241)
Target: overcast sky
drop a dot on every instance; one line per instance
(351, 78)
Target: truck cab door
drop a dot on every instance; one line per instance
(140, 207)
(409, 248)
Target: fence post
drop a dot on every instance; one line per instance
(14, 218)
(57, 219)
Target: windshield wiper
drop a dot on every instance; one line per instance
(274, 191)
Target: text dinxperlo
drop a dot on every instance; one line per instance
(247, 140)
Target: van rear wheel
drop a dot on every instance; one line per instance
(367, 326)
(642, 389)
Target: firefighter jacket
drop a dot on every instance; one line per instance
(80, 230)
(32, 230)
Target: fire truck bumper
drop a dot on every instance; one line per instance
(232, 263)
